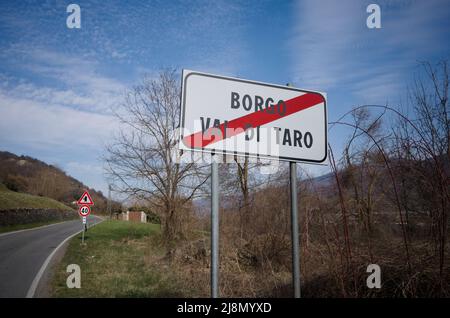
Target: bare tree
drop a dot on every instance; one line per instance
(48, 182)
(361, 165)
(142, 159)
(422, 146)
(240, 180)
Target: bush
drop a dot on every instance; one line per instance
(153, 218)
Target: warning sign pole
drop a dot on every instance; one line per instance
(82, 233)
(214, 228)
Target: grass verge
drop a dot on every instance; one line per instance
(13, 200)
(119, 259)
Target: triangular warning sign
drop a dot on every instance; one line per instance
(86, 199)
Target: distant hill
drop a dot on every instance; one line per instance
(324, 180)
(29, 175)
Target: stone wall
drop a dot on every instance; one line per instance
(25, 216)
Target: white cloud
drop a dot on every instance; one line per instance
(332, 47)
(39, 122)
(78, 83)
(34, 123)
(320, 40)
(379, 89)
(56, 133)
(50, 95)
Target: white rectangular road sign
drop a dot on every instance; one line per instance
(84, 220)
(241, 117)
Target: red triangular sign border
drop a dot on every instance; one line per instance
(85, 203)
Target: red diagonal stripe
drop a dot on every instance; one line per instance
(255, 119)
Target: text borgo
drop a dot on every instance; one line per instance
(256, 103)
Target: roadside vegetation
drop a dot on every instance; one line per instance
(384, 201)
(14, 200)
(119, 259)
(19, 211)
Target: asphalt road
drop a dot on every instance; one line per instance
(23, 253)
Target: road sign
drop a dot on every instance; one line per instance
(84, 220)
(85, 199)
(241, 117)
(84, 210)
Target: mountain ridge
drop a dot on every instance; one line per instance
(26, 174)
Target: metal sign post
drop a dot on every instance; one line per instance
(82, 232)
(252, 119)
(294, 230)
(214, 228)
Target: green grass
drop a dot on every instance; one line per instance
(119, 259)
(15, 200)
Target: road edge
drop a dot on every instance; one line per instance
(33, 228)
(33, 287)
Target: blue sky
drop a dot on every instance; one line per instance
(57, 85)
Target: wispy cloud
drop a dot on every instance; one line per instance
(318, 44)
(334, 51)
(28, 122)
(334, 48)
(73, 82)
(59, 111)
(56, 134)
(58, 85)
